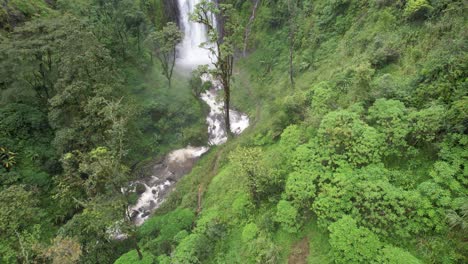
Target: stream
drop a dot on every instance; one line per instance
(179, 162)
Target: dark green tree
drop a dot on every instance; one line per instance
(163, 44)
(220, 44)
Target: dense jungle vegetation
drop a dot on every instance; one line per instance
(357, 150)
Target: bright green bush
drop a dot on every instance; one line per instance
(373, 202)
(287, 216)
(344, 137)
(160, 233)
(192, 249)
(417, 9)
(390, 118)
(324, 99)
(249, 232)
(132, 257)
(352, 244)
(394, 255)
(426, 124)
(300, 188)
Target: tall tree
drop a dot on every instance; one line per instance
(292, 12)
(163, 44)
(220, 43)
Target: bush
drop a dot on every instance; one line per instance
(417, 9)
(250, 232)
(287, 215)
(264, 250)
(390, 118)
(344, 137)
(394, 255)
(351, 244)
(132, 257)
(166, 230)
(300, 188)
(192, 249)
(370, 199)
(426, 123)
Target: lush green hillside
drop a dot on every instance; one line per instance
(362, 161)
(361, 158)
(82, 102)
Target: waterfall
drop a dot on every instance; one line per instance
(177, 163)
(190, 55)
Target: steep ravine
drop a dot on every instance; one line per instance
(164, 174)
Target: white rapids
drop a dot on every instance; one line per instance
(179, 162)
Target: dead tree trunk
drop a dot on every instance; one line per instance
(248, 27)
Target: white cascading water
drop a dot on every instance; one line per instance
(179, 162)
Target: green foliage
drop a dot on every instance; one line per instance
(390, 118)
(426, 123)
(191, 250)
(249, 232)
(263, 250)
(353, 244)
(300, 188)
(323, 100)
(394, 255)
(417, 9)
(160, 233)
(249, 163)
(163, 44)
(132, 257)
(7, 158)
(347, 138)
(20, 220)
(397, 213)
(287, 216)
(64, 250)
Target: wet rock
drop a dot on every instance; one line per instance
(140, 188)
(134, 214)
(145, 214)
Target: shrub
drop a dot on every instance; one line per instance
(417, 9)
(426, 123)
(394, 255)
(249, 232)
(389, 117)
(344, 137)
(132, 257)
(166, 230)
(192, 249)
(286, 215)
(264, 250)
(371, 200)
(351, 244)
(300, 188)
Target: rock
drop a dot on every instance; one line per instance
(134, 214)
(140, 188)
(145, 214)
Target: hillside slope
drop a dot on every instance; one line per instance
(363, 160)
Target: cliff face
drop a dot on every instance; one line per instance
(171, 11)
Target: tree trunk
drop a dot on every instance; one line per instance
(140, 256)
(200, 190)
(291, 10)
(291, 69)
(227, 99)
(249, 25)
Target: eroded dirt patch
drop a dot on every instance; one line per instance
(299, 252)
